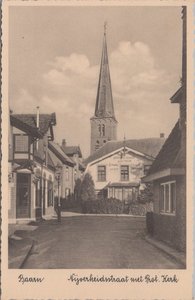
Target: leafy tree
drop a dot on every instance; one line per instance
(87, 189)
(77, 190)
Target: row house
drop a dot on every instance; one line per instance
(75, 154)
(66, 168)
(31, 169)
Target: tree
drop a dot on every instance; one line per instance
(77, 190)
(87, 189)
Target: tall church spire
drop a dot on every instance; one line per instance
(103, 123)
(104, 101)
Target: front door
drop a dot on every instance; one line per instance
(23, 197)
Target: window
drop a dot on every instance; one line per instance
(103, 130)
(49, 193)
(168, 197)
(97, 145)
(101, 173)
(21, 143)
(67, 192)
(124, 173)
(146, 169)
(67, 173)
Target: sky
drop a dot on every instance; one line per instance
(54, 61)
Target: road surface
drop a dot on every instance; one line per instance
(95, 242)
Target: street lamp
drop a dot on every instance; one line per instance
(58, 177)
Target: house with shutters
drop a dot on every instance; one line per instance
(31, 169)
(168, 173)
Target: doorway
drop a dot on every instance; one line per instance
(23, 195)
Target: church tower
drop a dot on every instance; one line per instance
(103, 123)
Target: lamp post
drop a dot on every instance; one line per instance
(58, 177)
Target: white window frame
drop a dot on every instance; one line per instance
(164, 184)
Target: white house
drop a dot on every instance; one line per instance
(118, 166)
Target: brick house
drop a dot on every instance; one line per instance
(31, 169)
(168, 173)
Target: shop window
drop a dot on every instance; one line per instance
(168, 197)
(101, 173)
(124, 173)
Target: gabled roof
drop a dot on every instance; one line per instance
(169, 155)
(149, 147)
(57, 150)
(45, 121)
(50, 161)
(71, 150)
(176, 98)
(20, 124)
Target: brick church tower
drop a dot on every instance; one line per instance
(103, 123)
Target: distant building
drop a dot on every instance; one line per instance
(67, 172)
(75, 154)
(168, 173)
(118, 166)
(103, 123)
(31, 170)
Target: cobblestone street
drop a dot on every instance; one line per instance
(95, 242)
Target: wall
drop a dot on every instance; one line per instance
(136, 168)
(172, 228)
(110, 131)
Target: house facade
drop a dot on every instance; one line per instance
(118, 166)
(74, 153)
(31, 170)
(67, 171)
(168, 173)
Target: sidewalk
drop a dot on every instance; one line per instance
(173, 253)
(19, 247)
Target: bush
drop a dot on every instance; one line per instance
(103, 206)
(146, 195)
(87, 190)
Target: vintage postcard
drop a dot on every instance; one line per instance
(97, 149)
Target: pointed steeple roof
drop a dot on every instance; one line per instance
(104, 101)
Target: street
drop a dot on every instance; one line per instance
(95, 242)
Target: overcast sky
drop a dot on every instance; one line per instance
(54, 58)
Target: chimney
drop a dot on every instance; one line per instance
(63, 143)
(162, 135)
(37, 116)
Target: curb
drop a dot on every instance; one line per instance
(179, 258)
(19, 261)
(27, 255)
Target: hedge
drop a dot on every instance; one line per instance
(103, 206)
